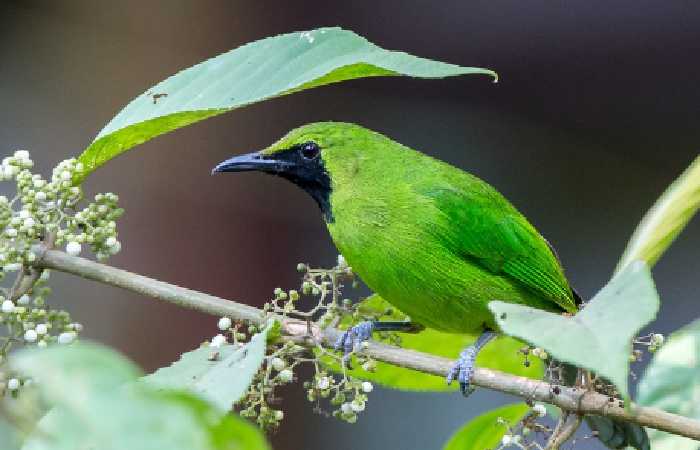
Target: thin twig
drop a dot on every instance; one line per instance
(28, 276)
(567, 425)
(573, 399)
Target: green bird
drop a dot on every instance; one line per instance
(433, 240)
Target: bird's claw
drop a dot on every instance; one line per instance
(353, 338)
(463, 370)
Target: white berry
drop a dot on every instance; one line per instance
(357, 406)
(41, 329)
(8, 307)
(540, 409)
(367, 387)
(323, 383)
(277, 364)
(66, 338)
(13, 384)
(22, 154)
(30, 336)
(73, 248)
(224, 323)
(286, 375)
(116, 248)
(218, 340)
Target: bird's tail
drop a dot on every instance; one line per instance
(617, 434)
(614, 434)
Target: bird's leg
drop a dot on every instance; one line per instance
(353, 337)
(464, 367)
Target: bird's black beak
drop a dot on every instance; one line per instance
(252, 161)
(307, 173)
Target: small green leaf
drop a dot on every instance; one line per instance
(257, 71)
(221, 380)
(486, 431)
(600, 336)
(95, 404)
(665, 220)
(501, 354)
(672, 382)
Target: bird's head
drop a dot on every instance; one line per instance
(315, 157)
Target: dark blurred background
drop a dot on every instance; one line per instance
(595, 114)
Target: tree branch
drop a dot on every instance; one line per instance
(572, 399)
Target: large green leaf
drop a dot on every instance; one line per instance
(96, 405)
(599, 337)
(254, 72)
(672, 382)
(222, 380)
(501, 354)
(486, 431)
(666, 219)
(9, 436)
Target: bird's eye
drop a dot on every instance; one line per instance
(309, 150)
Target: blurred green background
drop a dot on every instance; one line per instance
(595, 114)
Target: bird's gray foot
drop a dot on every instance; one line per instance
(352, 339)
(464, 367)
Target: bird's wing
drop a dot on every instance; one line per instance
(480, 224)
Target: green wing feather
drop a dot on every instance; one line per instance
(487, 229)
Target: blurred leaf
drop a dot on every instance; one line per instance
(254, 72)
(96, 406)
(672, 382)
(600, 336)
(666, 219)
(222, 380)
(485, 432)
(9, 436)
(501, 354)
(64, 370)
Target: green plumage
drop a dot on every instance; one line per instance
(433, 240)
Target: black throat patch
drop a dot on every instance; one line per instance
(308, 174)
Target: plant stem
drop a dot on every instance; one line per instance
(187, 298)
(575, 400)
(566, 427)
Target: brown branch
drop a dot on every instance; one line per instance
(575, 400)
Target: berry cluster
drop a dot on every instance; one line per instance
(43, 212)
(322, 289)
(349, 395)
